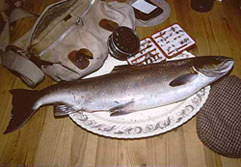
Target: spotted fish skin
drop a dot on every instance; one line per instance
(125, 90)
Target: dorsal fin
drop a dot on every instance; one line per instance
(122, 68)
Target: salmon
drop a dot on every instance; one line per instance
(125, 90)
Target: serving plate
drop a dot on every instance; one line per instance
(144, 123)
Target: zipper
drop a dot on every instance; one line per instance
(78, 22)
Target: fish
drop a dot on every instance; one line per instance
(125, 90)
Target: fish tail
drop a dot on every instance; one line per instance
(22, 102)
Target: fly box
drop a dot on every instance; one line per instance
(164, 44)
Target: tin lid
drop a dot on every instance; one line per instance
(202, 6)
(125, 40)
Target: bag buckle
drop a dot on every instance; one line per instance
(80, 21)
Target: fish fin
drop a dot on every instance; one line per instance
(120, 109)
(119, 113)
(184, 79)
(22, 102)
(63, 110)
(125, 68)
(120, 68)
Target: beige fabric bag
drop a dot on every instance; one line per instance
(71, 36)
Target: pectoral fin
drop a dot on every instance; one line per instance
(63, 110)
(184, 79)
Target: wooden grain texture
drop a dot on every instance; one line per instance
(48, 142)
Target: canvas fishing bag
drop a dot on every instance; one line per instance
(68, 41)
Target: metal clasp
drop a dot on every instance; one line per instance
(80, 21)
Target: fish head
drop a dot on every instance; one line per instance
(214, 66)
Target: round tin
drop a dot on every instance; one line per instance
(202, 5)
(123, 42)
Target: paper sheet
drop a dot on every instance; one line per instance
(143, 6)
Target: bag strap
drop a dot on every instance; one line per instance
(23, 68)
(12, 57)
(4, 36)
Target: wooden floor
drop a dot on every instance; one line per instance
(45, 141)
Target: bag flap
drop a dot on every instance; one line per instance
(55, 20)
